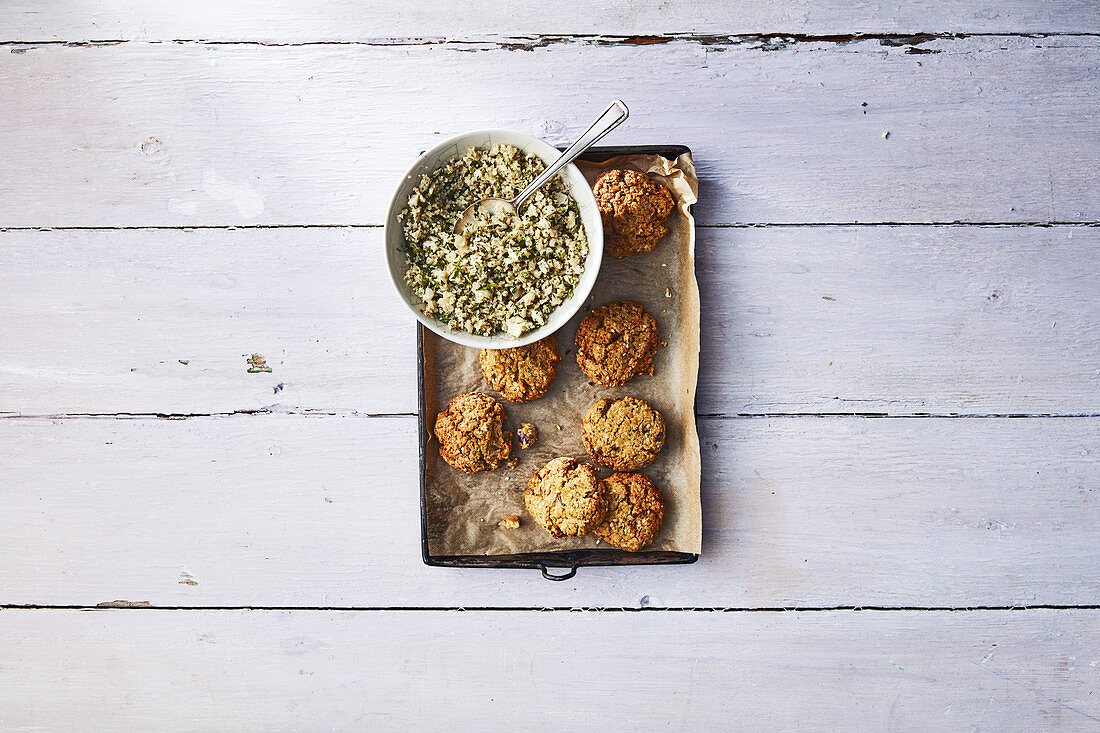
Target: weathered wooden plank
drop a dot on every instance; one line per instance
(199, 671)
(898, 320)
(103, 321)
(307, 511)
(342, 20)
(170, 134)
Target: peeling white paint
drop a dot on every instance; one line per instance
(241, 195)
(183, 207)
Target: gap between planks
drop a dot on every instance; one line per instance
(760, 40)
(706, 416)
(735, 225)
(121, 605)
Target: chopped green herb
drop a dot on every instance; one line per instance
(506, 272)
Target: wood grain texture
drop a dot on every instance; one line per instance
(207, 114)
(896, 320)
(343, 20)
(105, 319)
(900, 320)
(321, 512)
(191, 671)
(194, 134)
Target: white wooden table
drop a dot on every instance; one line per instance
(899, 400)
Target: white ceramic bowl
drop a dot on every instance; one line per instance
(452, 148)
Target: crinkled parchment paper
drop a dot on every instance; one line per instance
(463, 510)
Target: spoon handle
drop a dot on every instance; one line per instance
(605, 123)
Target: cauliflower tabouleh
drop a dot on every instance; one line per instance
(505, 272)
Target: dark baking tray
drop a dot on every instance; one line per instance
(567, 560)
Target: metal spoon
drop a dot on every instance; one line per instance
(605, 123)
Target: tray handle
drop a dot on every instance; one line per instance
(570, 572)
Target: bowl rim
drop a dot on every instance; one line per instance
(496, 341)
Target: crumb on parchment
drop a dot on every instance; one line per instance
(527, 435)
(511, 522)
